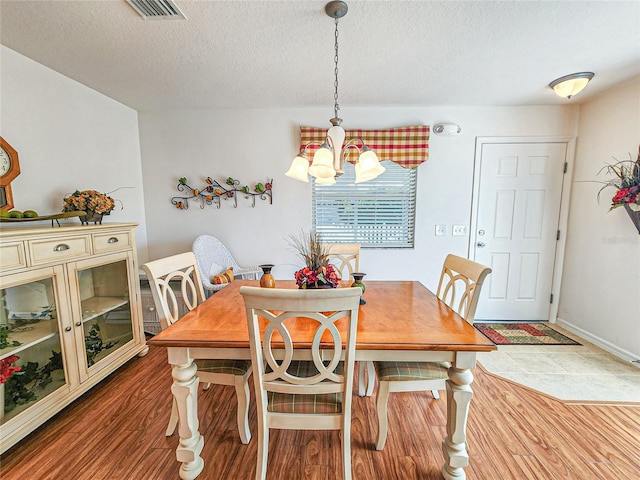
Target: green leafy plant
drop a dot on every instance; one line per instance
(21, 387)
(94, 345)
(4, 338)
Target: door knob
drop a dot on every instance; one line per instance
(480, 244)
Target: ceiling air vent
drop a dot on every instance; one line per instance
(157, 9)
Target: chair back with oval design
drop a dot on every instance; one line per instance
(180, 272)
(460, 284)
(295, 390)
(459, 287)
(346, 258)
(177, 272)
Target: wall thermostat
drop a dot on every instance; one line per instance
(446, 129)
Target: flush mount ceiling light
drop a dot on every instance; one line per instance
(569, 85)
(328, 160)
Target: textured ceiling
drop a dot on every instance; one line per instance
(280, 53)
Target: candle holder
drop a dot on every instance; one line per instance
(357, 282)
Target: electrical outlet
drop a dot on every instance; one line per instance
(460, 230)
(441, 230)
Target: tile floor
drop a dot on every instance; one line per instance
(568, 372)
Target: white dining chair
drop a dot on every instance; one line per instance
(180, 272)
(346, 258)
(296, 394)
(459, 287)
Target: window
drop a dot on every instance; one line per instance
(377, 213)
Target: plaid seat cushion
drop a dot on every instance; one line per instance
(301, 403)
(233, 367)
(295, 403)
(304, 368)
(406, 371)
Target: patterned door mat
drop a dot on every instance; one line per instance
(523, 334)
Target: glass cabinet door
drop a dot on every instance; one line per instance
(31, 351)
(107, 323)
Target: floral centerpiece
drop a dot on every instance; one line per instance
(93, 202)
(317, 273)
(626, 183)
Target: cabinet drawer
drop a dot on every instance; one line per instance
(47, 251)
(111, 241)
(12, 256)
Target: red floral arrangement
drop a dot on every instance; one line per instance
(7, 369)
(325, 275)
(627, 183)
(317, 271)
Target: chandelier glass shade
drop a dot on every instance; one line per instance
(328, 161)
(299, 169)
(322, 166)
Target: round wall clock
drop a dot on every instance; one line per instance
(9, 170)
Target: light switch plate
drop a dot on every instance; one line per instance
(441, 230)
(460, 230)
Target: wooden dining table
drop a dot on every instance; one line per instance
(401, 320)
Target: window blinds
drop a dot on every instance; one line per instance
(378, 213)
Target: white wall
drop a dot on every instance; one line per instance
(601, 281)
(68, 137)
(254, 145)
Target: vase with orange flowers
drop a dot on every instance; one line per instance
(96, 205)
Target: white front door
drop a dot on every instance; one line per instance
(519, 191)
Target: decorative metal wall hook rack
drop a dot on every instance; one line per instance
(214, 192)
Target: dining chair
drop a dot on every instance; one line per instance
(346, 258)
(296, 393)
(214, 258)
(180, 272)
(459, 287)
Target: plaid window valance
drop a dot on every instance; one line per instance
(407, 146)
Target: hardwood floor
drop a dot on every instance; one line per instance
(116, 432)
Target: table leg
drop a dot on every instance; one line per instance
(454, 447)
(185, 391)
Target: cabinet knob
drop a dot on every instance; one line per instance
(78, 324)
(61, 247)
(152, 309)
(67, 329)
(113, 240)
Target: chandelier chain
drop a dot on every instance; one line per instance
(336, 107)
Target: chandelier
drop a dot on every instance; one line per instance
(328, 161)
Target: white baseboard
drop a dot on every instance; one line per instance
(604, 344)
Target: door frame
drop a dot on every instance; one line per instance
(563, 217)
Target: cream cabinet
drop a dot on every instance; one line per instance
(70, 314)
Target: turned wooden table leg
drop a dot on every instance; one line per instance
(185, 391)
(454, 447)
